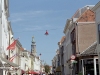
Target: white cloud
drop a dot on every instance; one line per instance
(28, 13)
(32, 28)
(24, 16)
(34, 20)
(16, 20)
(15, 17)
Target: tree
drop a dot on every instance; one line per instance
(47, 68)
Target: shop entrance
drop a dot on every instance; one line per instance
(89, 67)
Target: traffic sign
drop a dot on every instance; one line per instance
(73, 57)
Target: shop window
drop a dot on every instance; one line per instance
(89, 66)
(73, 36)
(97, 66)
(80, 65)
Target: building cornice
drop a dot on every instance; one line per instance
(85, 22)
(9, 25)
(18, 43)
(96, 6)
(66, 26)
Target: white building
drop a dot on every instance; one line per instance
(24, 60)
(37, 64)
(37, 61)
(5, 36)
(4, 32)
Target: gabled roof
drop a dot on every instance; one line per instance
(96, 6)
(66, 26)
(75, 13)
(87, 16)
(80, 11)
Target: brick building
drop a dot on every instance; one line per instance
(81, 31)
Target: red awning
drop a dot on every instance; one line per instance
(32, 72)
(22, 71)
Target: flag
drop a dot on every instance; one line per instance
(12, 58)
(12, 46)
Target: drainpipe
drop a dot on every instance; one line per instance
(77, 36)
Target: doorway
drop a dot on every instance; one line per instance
(88, 66)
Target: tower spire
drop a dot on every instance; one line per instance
(33, 46)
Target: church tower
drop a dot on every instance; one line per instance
(33, 47)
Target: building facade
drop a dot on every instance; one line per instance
(6, 36)
(37, 61)
(78, 32)
(96, 10)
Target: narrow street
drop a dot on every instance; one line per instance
(49, 37)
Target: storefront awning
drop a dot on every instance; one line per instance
(32, 72)
(8, 62)
(22, 71)
(91, 50)
(58, 69)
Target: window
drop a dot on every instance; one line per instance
(5, 5)
(11, 51)
(80, 65)
(25, 65)
(89, 66)
(73, 36)
(7, 57)
(73, 49)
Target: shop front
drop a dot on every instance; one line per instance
(7, 67)
(89, 66)
(58, 70)
(88, 61)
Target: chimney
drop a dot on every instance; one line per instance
(88, 7)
